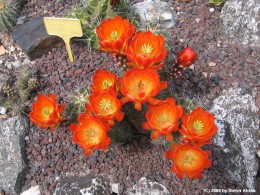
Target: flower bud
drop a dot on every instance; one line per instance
(186, 57)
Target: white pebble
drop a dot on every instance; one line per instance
(12, 48)
(212, 64)
(3, 110)
(197, 20)
(211, 9)
(181, 40)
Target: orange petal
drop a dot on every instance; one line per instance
(138, 106)
(88, 152)
(169, 137)
(119, 116)
(154, 135)
(170, 154)
(146, 126)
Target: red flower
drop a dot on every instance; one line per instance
(46, 113)
(103, 80)
(186, 57)
(140, 86)
(114, 34)
(90, 133)
(146, 50)
(163, 118)
(198, 126)
(105, 106)
(188, 159)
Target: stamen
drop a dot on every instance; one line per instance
(105, 104)
(146, 49)
(114, 35)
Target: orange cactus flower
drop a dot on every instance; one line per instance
(105, 106)
(46, 113)
(114, 34)
(103, 80)
(163, 118)
(188, 159)
(90, 133)
(140, 86)
(198, 126)
(146, 50)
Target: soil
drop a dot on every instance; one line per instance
(219, 66)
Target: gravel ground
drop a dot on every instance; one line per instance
(220, 65)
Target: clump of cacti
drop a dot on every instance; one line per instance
(17, 89)
(92, 12)
(9, 12)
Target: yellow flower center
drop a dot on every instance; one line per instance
(198, 126)
(140, 85)
(45, 111)
(188, 158)
(107, 83)
(146, 49)
(114, 35)
(105, 104)
(90, 132)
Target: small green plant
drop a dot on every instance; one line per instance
(9, 12)
(216, 2)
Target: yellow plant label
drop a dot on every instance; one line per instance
(65, 28)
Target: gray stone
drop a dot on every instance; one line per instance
(241, 21)
(33, 38)
(237, 137)
(155, 12)
(147, 187)
(89, 184)
(12, 153)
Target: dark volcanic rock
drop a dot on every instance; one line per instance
(237, 136)
(33, 38)
(12, 157)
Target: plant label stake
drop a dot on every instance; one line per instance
(65, 28)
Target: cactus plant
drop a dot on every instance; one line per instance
(9, 12)
(26, 83)
(92, 12)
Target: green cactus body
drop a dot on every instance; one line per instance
(9, 12)
(121, 132)
(216, 2)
